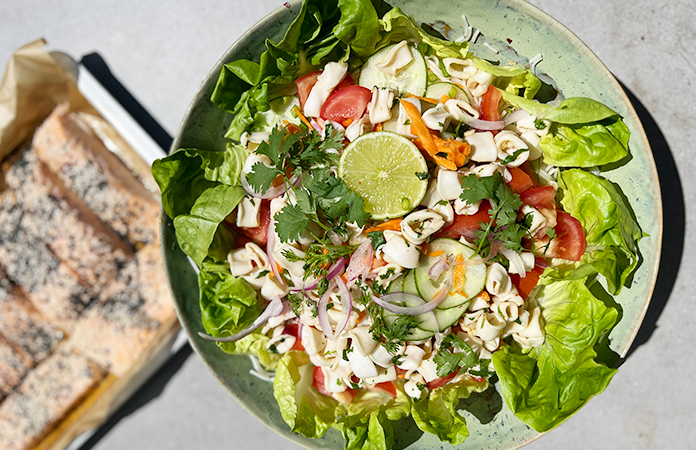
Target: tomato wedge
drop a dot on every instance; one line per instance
(437, 382)
(570, 238)
(465, 225)
(540, 197)
(347, 103)
(525, 285)
(520, 180)
(489, 104)
(256, 234)
(304, 86)
(318, 381)
(388, 387)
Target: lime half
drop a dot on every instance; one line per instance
(382, 168)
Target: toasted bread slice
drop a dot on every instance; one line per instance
(44, 397)
(71, 231)
(52, 287)
(114, 334)
(65, 143)
(22, 325)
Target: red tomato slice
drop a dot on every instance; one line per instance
(347, 103)
(345, 82)
(528, 170)
(293, 330)
(318, 381)
(256, 234)
(540, 197)
(520, 180)
(464, 225)
(489, 104)
(436, 383)
(388, 387)
(304, 86)
(570, 241)
(525, 285)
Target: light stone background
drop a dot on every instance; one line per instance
(161, 51)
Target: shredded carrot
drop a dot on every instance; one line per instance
(438, 253)
(424, 99)
(377, 263)
(344, 278)
(393, 224)
(458, 279)
(484, 296)
(424, 248)
(401, 376)
(361, 316)
(280, 269)
(302, 117)
(444, 98)
(347, 122)
(379, 127)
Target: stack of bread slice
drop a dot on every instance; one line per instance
(82, 287)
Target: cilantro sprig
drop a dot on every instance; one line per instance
(323, 199)
(319, 257)
(449, 361)
(505, 203)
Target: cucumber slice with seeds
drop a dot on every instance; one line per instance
(413, 78)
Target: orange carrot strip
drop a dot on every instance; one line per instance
(393, 224)
(419, 128)
(379, 127)
(444, 98)
(302, 117)
(437, 253)
(347, 122)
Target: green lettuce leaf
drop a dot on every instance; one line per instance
(228, 304)
(511, 79)
(611, 231)
(397, 27)
(547, 384)
(358, 27)
(303, 408)
(437, 413)
(585, 145)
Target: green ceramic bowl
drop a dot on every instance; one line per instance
(503, 23)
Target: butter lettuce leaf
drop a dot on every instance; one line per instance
(511, 79)
(545, 385)
(585, 145)
(437, 412)
(397, 26)
(611, 231)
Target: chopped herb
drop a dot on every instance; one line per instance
(354, 385)
(512, 158)
(345, 353)
(443, 155)
(397, 359)
(425, 49)
(423, 175)
(262, 274)
(319, 257)
(539, 124)
(448, 362)
(484, 370)
(377, 238)
(443, 202)
(408, 122)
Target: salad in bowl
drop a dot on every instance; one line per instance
(396, 223)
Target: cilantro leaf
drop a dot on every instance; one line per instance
(290, 222)
(262, 176)
(511, 158)
(377, 238)
(448, 361)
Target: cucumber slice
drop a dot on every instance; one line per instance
(409, 285)
(475, 277)
(437, 90)
(396, 285)
(427, 325)
(413, 78)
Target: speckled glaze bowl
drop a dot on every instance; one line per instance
(503, 24)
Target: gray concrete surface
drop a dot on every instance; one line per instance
(160, 51)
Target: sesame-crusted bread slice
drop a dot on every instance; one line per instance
(114, 334)
(52, 287)
(70, 149)
(22, 325)
(44, 397)
(70, 230)
(14, 363)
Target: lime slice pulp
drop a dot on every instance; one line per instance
(382, 168)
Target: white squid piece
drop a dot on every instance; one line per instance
(397, 58)
(248, 212)
(489, 326)
(483, 148)
(358, 128)
(479, 83)
(379, 108)
(539, 221)
(362, 339)
(281, 344)
(461, 110)
(508, 143)
(533, 334)
(420, 225)
(449, 186)
(297, 267)
(273, 287)
(399, 251)
(403, 121)
(532, 140)
(411, 358)
(437, 118)
(488, 170)
(411, 386)
(460, 68)
(332, 74)
(497, 280)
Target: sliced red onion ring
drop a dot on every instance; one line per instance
(360, 261)
(438, 269)
(311, 283)
(271, 192)
(386, 301)
(334, 237)
(270, 246)
(346, 306)
(541, 263)
(273, 309)
(515, 116)
(322, 313)
(486, 125)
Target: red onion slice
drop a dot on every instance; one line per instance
(346, 306)
(486, 125)
(515, 116)
(425, 307)
(312, 283)
(270, 246)
(438, 269)
(273, 309)
(322, 313)
(360, 261)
